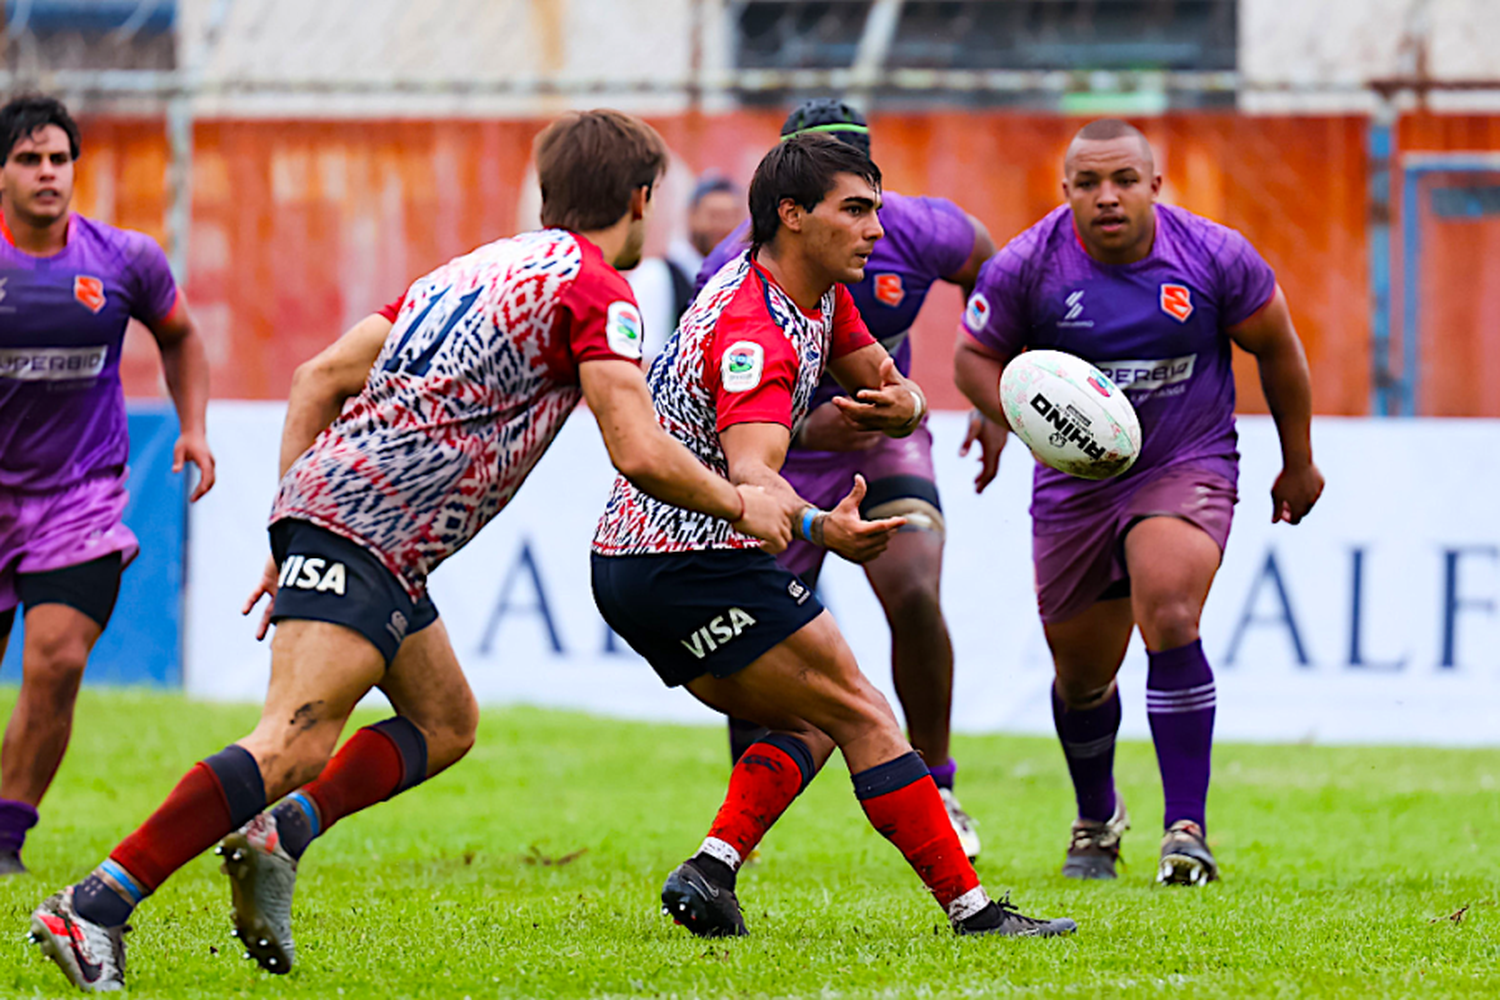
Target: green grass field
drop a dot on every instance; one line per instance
(532, 870)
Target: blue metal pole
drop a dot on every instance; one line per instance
(1379, 140)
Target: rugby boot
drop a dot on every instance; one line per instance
(262, 876)
(10, 863)
(1001, 918)
(90, 955)
(1185, 857)
(1094, 850)
(691, 899)
(963, 824)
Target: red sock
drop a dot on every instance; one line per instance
(211, 800)
(374, 764)
(902, 802)
(768, 776)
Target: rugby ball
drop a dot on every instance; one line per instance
(1069, 413)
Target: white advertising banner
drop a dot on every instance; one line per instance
(1376, 620)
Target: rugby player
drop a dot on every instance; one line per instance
(1154, 296)
(69, 287)
(488, 356)
(712, 613)
(927, 240)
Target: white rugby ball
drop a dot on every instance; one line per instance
(1069, 413)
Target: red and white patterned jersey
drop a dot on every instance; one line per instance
(474, 381)
(743, 353)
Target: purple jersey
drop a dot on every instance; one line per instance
(1157, 327)
(926, 239)
(62, 324)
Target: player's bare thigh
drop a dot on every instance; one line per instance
(1087, 650)
(426, 684)
(809, 684)
(319, 672)
(1172, 563)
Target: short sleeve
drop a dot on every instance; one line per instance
(995, 315)
(947, 232)
(155, 294)
(751, 372)
(598, 314)
(392, 309)
(849, 330)
(1247, 281)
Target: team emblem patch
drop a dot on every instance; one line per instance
(89, 291)
(1177, 302)
(742, 366)
(623, 329)
(977, 312)
(888, 289)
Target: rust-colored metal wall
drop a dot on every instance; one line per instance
(300, 228)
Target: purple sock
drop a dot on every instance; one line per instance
(15, 819)
(1180, 708)
(943, 774)
(1088, 742)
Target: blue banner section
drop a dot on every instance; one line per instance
(143, 644)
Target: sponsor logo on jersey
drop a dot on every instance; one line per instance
(1149, 376)
(798, 591)
(313, 573)
(743, 364)
(52, 364)
(1070, 319)
(89, 291)
(2, 288)
(888, 289)
(623, 329)
(977, 312)
(1065, 428)
(723, 629)
(1177, 302)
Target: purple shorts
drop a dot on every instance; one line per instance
(57, 528)
(902, 467)
(1083, 560)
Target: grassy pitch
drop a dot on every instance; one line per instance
(532, 870)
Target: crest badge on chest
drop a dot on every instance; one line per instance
(1177, 302)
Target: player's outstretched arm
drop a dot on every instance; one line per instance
(976, 372)
(659, 464)
(1285, 379)
(880, 397)
(321, 385)
(184, 362)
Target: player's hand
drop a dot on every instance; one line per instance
(766, 517)
(266, 588)
(1294, 492)
(891, 407)
(850, 535)
(991, 437)
(194, 448)
(828, 428)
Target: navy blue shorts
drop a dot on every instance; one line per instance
(327, 578)
(695, 613)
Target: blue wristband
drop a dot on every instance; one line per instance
(809, 514)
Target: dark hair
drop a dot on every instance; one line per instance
(801, 167)
(1104, 129)
(590, 162)
(28, 113)
(831, 117)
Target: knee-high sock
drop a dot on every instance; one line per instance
(1088, 741)
(211, 800)
(375, 764)
(15, 819)
(902, 802)
(770, 774)
(743, 735)
(1180, 707)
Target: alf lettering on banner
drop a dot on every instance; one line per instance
(1376, 620)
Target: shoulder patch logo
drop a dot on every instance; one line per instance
(888, 289)
(1177, 302)
(743, 364)
(623, 329)
(977, 312)
(89, 291)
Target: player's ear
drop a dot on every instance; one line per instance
(791, 214)
(1155, 185)
(640, 198)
